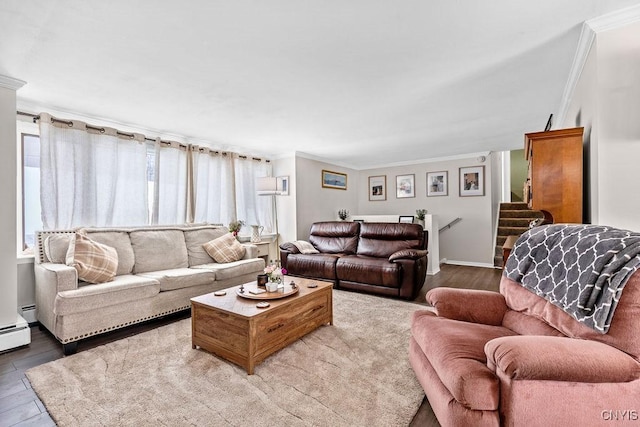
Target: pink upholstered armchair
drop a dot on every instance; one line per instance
(512, 358)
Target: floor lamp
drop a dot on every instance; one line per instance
(268, 186)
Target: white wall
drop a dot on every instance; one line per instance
(315, 203)
(606, 102)
(8, 208)
(469, 242)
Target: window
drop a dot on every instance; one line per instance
(233, 186)
(31, 219)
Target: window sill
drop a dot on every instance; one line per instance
(25, 259)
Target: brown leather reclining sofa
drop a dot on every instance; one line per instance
(380, 258)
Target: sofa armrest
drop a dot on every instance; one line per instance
(251, 251)
(547, 358)
(63, 277)
(408, 254)
(468, 305)
(289, 248)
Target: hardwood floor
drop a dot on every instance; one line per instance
(20, 406)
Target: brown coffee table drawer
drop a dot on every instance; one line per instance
(280, 328)
(216, 329)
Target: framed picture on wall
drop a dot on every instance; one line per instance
(377, 188)
(335, 180)
(472, 181)
(405, 186)
(437, 184)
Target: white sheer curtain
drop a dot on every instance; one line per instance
(253, 209)
(90, 177)
(170, 183)
(213, 190)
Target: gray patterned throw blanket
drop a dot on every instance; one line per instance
(580, 268)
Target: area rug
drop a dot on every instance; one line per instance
(353, 373)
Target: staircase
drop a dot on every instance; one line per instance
(514, 220)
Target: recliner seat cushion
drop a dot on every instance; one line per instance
(322, 266)
(373, 271)
(455, 349)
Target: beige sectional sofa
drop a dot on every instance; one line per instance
(158, 270)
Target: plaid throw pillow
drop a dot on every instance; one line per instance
(94, 262)
(224, 249)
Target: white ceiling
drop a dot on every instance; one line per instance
(361, 83)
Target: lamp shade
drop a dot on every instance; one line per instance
(267, 186)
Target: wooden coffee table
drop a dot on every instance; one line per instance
(235, 329)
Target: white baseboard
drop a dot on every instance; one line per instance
(15, 335)
(467, 263)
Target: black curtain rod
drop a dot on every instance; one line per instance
(130, 135)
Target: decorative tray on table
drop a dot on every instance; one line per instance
(280, 293)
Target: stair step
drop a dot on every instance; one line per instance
(498, 261)
(511, 231)
(514, 222)
(521, 213)
(513, 206)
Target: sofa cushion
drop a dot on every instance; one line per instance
(373, 271)
(55, 247)
(234, 269)
(178, 278)
(119, 240)
(224, 249)
(455, 349)
(335, 237)
(94, 262)
(384, 239)
(321, 266)
(158, 250)
(196, 238)
(89, 297)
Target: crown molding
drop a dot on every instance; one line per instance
(11, 83)
(616, 19)
(590, 29)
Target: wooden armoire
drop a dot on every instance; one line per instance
(555, 177)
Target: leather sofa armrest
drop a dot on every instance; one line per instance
(468, 305)
(408, 254)
(251, 251)
(547, 358)
(62, 276)
(290, 248)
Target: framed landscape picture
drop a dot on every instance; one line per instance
(335, 180)
(405, 186)
(377, 188)
(472, 181)
(406, 219)
(437, 184)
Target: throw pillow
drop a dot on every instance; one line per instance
(94, 262)
(225, 249)
(305, 247)
(56, 247)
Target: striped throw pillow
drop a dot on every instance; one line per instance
(225, 249)
(94, 262)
